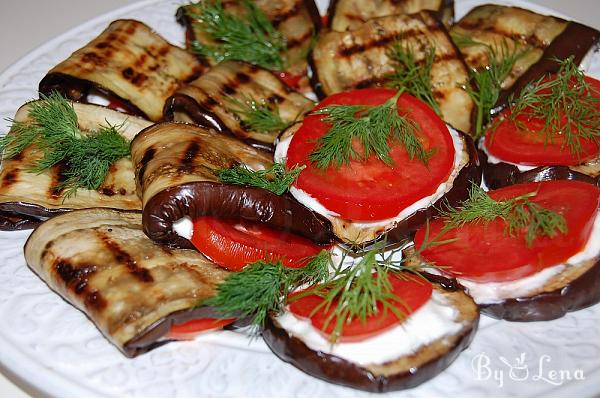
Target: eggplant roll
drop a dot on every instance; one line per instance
(176, 167)
(350, 14)
(360, 58)
(215, 99)
(297, 20)
(101, 262)
(27, 197)
(544, 38)
(129, 63)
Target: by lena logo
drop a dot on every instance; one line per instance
(520, 369)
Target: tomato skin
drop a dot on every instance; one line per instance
(233, 244)
(412, 290)
(484, 253)
(291, 80)
(371, 190)
(509, 143)
(191, 329)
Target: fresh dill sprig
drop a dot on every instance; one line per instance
(412, 77)
(373, 127)
(54, 132)
(566, 104)
(276, 178)
(262, 287)
(486, 82)
(257, 116)
(361, 290)
(518, 213)
(250, 37)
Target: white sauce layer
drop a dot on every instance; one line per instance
(312, 203)
(489, 293)
(184, 227)
(434, 320)
(495, 160)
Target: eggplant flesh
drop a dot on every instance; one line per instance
(343, 61)
(127, 62)
(176, 172)
(297, 20)
(350, 14)
(507, 29)
(101, 262)
(28, 198)
(214, 100)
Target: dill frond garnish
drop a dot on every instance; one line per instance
(54, 132)
(276, 178)
(373, 127)
(250, 37)
(262, 287)
(486, 82)
(412, 77)
(257, 116)
(565, 104)
(518, 213)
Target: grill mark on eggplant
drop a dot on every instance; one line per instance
(108, 191)
(530, 40)
(125, 258)
(136, 78)
(10, 178)
(59, 177)
(280, 18)
(148, 156)
(187, 162)
(275, 99)
(385, 40)
(299, 41)
(76, 279)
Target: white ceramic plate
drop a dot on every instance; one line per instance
(57, 351)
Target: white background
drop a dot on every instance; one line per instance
(27, 24)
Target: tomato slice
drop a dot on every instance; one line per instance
(291, 80)
(410, 289)
(484, 253)
(510, 143)
(233, 244)
(371, 189)
(189, 330)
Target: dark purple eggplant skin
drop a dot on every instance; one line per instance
(340, 371)
(470, 174)
(498, 175)
(581, 293)
(197, 199)
(16, 216)
(12, 221)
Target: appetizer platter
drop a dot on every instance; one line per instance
(117, 237)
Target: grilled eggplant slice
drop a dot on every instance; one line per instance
(297, 20)
(212, 100)
(27, 198)
(359, 58)
(350, 14)
(129, 63)
(401, 373)
(101, 262)
(545, 38)
(176, 167)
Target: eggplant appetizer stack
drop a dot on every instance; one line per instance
(247, 203)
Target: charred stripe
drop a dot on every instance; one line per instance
(187, 162)
(148, 156)
(125, 258)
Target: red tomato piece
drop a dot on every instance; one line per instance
(411, 290)
(510, 143)
(233, 244)
(291, 80)
(189, 330)
(485, 253)
(371, 189)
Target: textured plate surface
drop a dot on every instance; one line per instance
(55, 349)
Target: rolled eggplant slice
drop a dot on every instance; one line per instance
(297, 20)
(360, 58)
(401, 373)
(26, 197)
(129, 63)
(350, 14)
(176, 167)
(545, 38)
(214, 101)
(101, 262)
